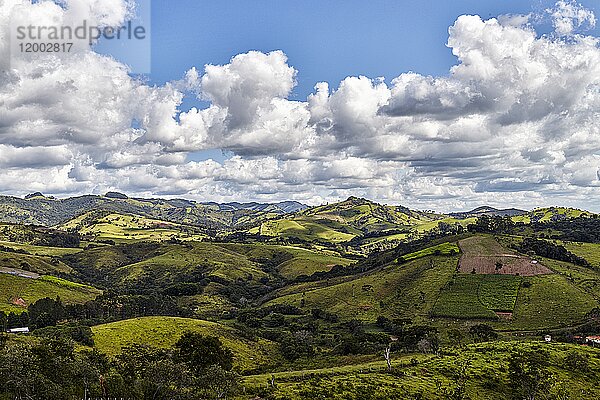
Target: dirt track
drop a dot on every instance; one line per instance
(19, 272)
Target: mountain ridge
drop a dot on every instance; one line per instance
(488, 210)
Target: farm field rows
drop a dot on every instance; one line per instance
(474, 296)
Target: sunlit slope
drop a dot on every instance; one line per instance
(346, 220)
(121, 227)
(13, 289)
(165, 331)
(408, 290)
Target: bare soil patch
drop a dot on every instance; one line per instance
(482, 254)
(19, 302)
(19, 272)
(504, 315)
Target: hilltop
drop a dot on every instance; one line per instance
(305, 297)
(37, 209)
(486, 210)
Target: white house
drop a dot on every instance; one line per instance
(18, 330)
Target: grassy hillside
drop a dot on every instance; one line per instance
(589, 251)
(429, 286)
(346, 220)
(549, 214)
(121, 227)
(40, 250)
(290, 261)
(480, 368)
(165, 331)
(448, 249)
(308, 229)
(397, 290)
(551, 301)
(37, 264)
(368, 216)
(209, 258)
(47, 211)
(229, 261)
(30, 290)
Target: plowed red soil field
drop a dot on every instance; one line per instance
(483, 253)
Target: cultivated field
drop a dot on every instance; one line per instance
(474, 296)
(484, 255)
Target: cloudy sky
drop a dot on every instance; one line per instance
(436, 106)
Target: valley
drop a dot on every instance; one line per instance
(305, 299)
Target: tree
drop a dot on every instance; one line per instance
(499, 266)
(456, 337)
(3, 321)
(387, 354)
(294, 346)
(483, 333)
(217, 383)
(528, 373)
(46, 312)
(202, 352)
(17, 320)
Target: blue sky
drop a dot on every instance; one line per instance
(324, 40)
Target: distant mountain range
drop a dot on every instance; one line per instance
(486, 210)
(37, 209)
(343, 220)
(284, 207)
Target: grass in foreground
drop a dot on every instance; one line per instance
(485, 376)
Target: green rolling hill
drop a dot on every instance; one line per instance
(163, 332)
(309, 300)
(17, 292)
